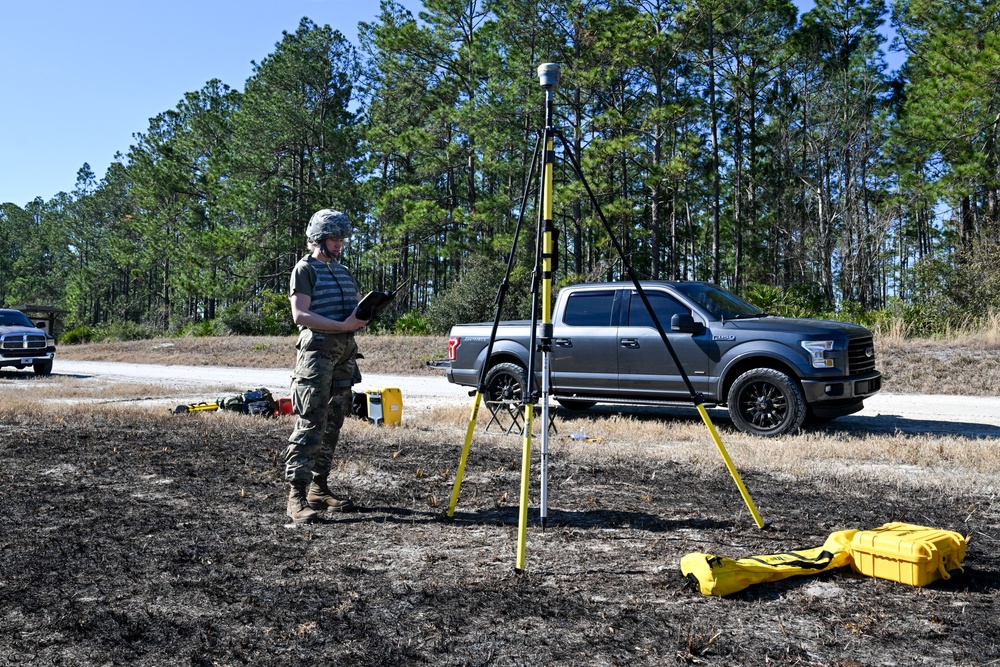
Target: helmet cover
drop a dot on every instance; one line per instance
(327, 224)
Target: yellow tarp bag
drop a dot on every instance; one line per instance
(718, 575)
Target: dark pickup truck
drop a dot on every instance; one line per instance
(23, 344)
(771, 372)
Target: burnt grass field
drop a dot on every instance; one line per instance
(130, 539)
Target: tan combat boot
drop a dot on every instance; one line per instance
(321, 498)
(298, 505)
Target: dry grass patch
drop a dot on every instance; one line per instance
(406, 355)
(948, 464)
(72, 395)
(966, 364)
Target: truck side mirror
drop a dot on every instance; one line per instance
(684, 323)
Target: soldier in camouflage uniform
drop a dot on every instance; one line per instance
(324, 296)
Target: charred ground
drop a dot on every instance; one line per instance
(128, 539)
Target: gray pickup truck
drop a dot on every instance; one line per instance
(771, 372)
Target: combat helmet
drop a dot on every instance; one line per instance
(327, 224)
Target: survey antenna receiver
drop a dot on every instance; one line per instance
(548, 75)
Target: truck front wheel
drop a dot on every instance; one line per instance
(766, 402)
(506, 382)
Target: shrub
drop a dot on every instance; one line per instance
(77, 335)
(792, 301)
(473, 297)
(273, 318)
(411, 324)
(199, 329)
(124, 331)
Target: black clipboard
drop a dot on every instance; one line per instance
(375, 302)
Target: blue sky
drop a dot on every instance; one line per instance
(80, 78)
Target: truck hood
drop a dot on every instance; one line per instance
(800, 326)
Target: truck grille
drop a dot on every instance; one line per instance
(22, 342)
(861, 355)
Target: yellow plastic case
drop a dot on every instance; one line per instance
(909, 554)
(385, 405)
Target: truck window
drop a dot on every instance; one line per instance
(719, 302)
(664, 305)
(589, 309)
(14, 318)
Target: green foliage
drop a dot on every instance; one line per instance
(202, 329)
(272, 319)
(473, 298)
(276, 310)
(411, 324)
(722, 141)
(793, 301)
(77, 335)
(125, 331)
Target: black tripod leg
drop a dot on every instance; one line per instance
(696, 397)
(499, 301)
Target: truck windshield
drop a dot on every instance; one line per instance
(14, 318)
(724, 305)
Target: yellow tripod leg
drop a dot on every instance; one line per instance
(522, 526)
(465, 453)
(729, 464)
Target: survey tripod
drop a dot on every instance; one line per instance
(540, 341)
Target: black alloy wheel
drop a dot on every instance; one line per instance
(766, 402)
(506, 382)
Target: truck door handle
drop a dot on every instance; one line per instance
(563, 342)
(631, 343)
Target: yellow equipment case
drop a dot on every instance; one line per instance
(385, 406)
(909, 554)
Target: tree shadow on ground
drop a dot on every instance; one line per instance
(508, 516)
(566, 420)
(895, 424)
(971, 580)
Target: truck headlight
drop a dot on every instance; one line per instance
(817, 350)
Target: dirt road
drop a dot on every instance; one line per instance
(198, 382)
(908, 413)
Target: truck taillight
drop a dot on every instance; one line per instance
(453, 344)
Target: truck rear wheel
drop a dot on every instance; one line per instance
(506, 382)
(766, 402)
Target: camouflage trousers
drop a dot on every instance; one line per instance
(325, 370)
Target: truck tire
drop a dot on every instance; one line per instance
(42, 367)
(506, 382)
(766, 402)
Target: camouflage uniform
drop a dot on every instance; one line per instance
(325, 370)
